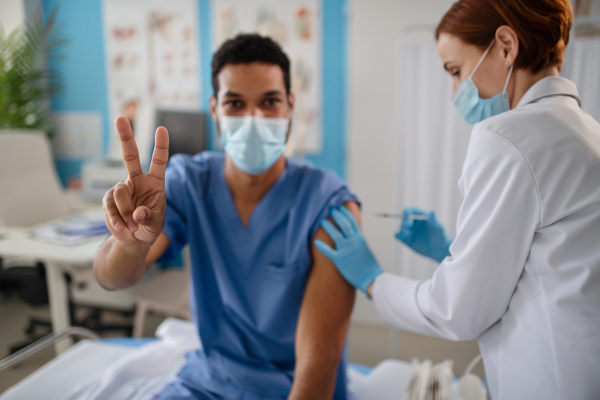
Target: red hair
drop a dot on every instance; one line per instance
(542, 27)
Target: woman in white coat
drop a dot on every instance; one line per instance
(523, 274)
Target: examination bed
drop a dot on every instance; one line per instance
(135, 369)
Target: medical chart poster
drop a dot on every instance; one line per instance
(296, 26)
(152, 62)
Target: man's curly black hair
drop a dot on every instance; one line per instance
(249, 48)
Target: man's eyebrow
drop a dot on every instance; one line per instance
(231, 94)
(273, 93)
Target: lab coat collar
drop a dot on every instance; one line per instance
(550, 86)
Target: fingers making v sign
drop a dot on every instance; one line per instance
(134, 209)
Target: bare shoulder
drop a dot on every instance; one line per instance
(354, 208)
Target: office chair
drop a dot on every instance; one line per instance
(30, 283)
(32, 195)
(167, 292)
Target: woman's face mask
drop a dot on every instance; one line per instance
(472, 107)
(254, 143)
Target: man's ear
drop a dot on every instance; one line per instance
(213, 108)
(509, 43)
(291, 102)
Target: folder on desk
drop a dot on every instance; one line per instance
(71, 232)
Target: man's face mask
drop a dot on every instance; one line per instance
(473, 108)
(254, 143)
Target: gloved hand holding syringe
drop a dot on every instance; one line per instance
(420, 230)
(402, 216)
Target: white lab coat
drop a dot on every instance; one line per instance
(524, 272)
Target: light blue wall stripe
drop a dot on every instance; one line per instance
(206, 53)
(83, 72)
(334, 88)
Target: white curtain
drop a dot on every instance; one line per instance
(582, 66)
(431, 146)
(432, 138)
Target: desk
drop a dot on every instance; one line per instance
(57, 259)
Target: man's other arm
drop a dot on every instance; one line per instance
(121, 265)
(322, 325)
(134, 212)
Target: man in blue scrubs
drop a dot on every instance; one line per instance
(272, 312)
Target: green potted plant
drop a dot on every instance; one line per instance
(27, 79)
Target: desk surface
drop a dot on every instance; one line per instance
(19, 244)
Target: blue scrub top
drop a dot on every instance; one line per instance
(247, 281)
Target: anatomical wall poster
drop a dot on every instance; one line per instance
(296, 26)
(152, 62)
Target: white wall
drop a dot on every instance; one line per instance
(374, 28)
(12, 14)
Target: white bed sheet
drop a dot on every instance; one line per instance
(85, 359)
(93, 370)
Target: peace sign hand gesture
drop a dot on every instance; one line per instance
(134, 210)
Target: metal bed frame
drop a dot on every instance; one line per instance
(44, 342)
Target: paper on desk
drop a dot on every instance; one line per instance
(71, 232)
(82, 226)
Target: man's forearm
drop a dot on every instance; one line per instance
(315, 377)
(118, 265)
(322, 327)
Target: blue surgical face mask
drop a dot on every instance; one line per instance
(254, 143)
(473, 108)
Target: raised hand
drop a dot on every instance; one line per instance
(134, 209)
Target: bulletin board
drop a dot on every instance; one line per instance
(152, 61)
(296, 26)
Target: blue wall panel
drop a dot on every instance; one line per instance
(334, 88)
(83, 72)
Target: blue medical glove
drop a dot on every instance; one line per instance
(426, 237)
(352, 255)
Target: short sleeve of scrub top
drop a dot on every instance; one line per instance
(175, 223)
